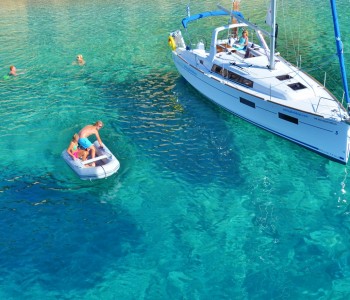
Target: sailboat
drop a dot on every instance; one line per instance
(255, 83)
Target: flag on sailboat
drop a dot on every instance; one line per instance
(268, 19)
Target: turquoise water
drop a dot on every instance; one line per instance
(205, 206)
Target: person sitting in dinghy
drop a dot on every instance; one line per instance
(85, 143)
(74, 151)
(243, 41)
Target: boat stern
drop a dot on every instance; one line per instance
(175, 40)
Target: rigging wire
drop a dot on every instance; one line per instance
(290, 38)
(299, 34)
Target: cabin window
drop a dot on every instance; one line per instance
(247, 102)
(232, 76)
(224, 72)
(297, 86)
(216, 69)
(246, 82)
(288, 118)
(284, 77)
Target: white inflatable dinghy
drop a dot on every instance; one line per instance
(106, 164)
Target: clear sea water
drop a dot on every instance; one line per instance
(205, 206)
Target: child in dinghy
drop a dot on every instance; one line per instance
(74, 151)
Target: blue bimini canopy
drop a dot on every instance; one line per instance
(206, 14)
(203, 15)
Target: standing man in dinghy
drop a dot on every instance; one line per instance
(86, 132)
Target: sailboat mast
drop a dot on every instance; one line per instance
(273, 34)
(235, 7)
(339, 45)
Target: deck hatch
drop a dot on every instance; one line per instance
(297, 86)
(284, 77)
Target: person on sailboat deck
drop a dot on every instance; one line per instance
(243, 41)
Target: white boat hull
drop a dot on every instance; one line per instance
(325, 136)
(104, 167)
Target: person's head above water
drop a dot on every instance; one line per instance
(80, 59)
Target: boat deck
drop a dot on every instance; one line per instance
(285, 85)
